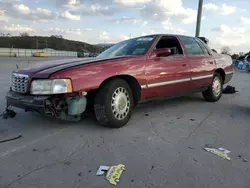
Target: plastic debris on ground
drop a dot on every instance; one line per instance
(113, 173)
(11, 139)
(221, 152)
(229, 90)
(244, 160)
(8, 113)
(101, 170)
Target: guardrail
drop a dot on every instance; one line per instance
(18, 52)
(8, 55)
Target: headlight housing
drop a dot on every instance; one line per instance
(51, 86)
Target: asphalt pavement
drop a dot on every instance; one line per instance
(161, 146)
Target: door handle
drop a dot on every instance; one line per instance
(184, 65)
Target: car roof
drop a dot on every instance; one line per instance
(161, 35)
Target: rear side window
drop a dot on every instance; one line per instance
(203, 46)
(192, 47)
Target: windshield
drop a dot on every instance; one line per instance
(136, 46)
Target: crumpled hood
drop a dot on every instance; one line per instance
(46, 68)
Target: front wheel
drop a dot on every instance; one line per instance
(214, 92)
(114, 103)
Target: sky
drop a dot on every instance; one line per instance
(224, 22)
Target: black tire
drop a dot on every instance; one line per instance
(209, 94)
(103, 104)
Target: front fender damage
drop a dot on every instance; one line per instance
(68, 109)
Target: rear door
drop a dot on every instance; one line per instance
(210, 62)
(202, 63)
(167, 76)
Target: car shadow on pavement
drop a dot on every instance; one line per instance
(162, 102)
(241, 110)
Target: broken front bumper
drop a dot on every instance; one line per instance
(63, 108)
(26, 102)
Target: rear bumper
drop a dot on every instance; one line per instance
(26, 102)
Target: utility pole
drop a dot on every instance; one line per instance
(198, 22)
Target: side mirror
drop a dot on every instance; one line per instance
(161, 52)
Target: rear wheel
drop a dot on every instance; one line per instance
(214, 92)
(114, 103)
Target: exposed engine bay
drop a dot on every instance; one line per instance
(69, 109)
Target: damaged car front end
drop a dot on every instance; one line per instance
(51, 97)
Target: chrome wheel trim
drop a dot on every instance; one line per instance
(120, 103)
(216, 87)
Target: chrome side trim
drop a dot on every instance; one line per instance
(176, 81)
(229, 72)
(201, 77)
(168, 82)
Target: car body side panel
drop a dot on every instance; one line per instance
(155, 73)
(224, 62)
(90, 76)
(168, 76)
(201, 71)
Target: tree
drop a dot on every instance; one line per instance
(225, 50)
(241, 53)
(5, 35)
(235, 56)
(33, 42)
(57, 36)
(24, 34)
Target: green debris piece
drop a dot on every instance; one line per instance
(220, 153)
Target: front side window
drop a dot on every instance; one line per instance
(172, 43)
(192, 47)
(136, 46)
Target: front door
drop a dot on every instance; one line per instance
(168, 76)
